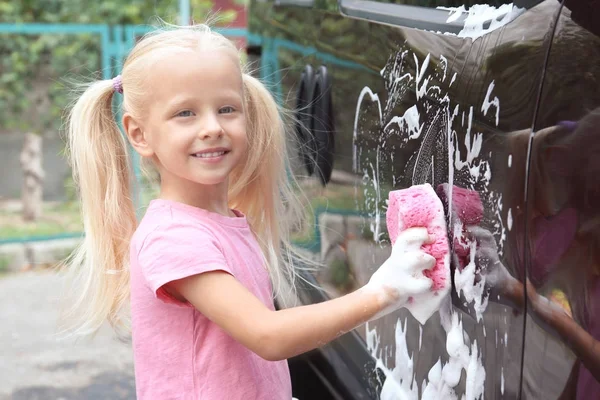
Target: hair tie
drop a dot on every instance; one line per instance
(118, 84)
(569, 125)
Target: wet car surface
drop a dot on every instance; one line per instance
(499, 102)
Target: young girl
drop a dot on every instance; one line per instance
(201, 267)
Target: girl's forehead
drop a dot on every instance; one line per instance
(196, 63)
(197, 57)
(199, 72)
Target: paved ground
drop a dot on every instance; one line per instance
(36, 365)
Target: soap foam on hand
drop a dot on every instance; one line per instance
(419, 206)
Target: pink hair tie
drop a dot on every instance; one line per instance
(118, 84)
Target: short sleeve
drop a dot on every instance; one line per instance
(178, 251)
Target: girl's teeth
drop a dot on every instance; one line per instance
(207, 155)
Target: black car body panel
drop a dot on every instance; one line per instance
(422, 91)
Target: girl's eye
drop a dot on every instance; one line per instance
(186, 113)
(226, 110)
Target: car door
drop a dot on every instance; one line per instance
(563, 209)
(420, 92)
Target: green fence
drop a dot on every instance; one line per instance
(117, 41)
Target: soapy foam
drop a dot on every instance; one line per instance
(489, 101)
(443, 378)
(480, 14)
(400, 382)
(409, 121)
(419, 206)
(408, 127)
(473, 292)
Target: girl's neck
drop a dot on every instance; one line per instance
(211, 198)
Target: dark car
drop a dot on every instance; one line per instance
(499, 101)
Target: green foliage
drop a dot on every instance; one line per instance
(4, 263)
(36, 70)
(57, 219)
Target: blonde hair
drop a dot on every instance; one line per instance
(260, 186)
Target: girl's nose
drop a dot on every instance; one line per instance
(211, 129)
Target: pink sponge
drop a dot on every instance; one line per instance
(466, 204)
(419, 206)
(466, 210)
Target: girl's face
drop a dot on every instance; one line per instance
(195, 126)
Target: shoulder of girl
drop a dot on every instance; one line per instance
(175, 234)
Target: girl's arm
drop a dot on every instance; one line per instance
(584, 345)
(278, 335)
(275, 335)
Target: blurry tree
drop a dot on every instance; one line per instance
(34, 68)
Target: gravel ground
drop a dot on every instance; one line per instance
(36, 364)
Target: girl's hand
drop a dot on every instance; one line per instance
(488, 264)
(401, 276)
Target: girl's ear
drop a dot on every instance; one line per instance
(136, 136)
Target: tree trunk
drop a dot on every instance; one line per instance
(33, 176)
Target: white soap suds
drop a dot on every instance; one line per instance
(460, 358)
(443, 377)
(473, 292)
(409, 123)
(421, 90)
(455, 13)
(444, 62)
(480, 14)
(499, 231)
(473, 149)
(474, 170)
(375, 99)
(399, 382)
(475, 384)
(452, 80)
(487, 175)
(488, 101)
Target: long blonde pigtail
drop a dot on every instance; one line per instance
(263, 188)
(98, 269)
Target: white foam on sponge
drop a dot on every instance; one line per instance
(420, 206)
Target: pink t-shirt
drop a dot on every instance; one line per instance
(178, 352)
